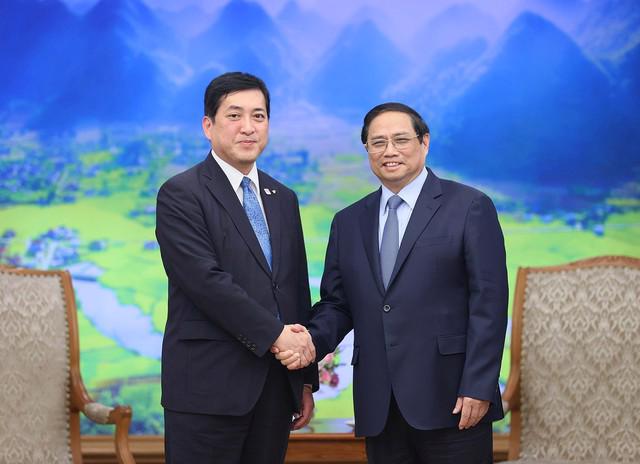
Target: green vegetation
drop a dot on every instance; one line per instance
(110, 212)
(95, 158)
(339, 406)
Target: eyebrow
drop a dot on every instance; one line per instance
(240, 108)
(396, 134)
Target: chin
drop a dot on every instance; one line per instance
(249, 157)
(394, 179)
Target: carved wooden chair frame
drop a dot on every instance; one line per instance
(80, 401)
(511, 396)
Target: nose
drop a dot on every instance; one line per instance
(247, 126)
(390, 149)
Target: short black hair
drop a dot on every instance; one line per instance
(419, 125)
(228, 83)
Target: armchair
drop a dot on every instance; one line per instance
(41, 390)
(574, 383)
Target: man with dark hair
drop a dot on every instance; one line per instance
(231, 243)
(417, 269)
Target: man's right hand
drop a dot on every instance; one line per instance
(289, 359)
(294, 347)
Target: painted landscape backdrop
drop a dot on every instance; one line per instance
(533, 101)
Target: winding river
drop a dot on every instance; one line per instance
(125, 324)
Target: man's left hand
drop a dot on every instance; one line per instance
(306, 411)
(472, 411)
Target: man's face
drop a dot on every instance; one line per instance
(396, 167)
(240, 130)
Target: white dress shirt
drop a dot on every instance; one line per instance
(235, 179)
(409, 195)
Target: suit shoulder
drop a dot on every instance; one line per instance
(462, 191)
(183, 179)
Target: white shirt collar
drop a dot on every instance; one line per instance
(235, 176)
(409, 192)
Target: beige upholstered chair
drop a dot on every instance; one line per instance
(41, 391)
(574, 384)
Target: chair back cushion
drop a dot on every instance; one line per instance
(34, 369)
(580, 372)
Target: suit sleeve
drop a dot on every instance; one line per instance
(310, 373)
(189, 258)
(331, 319)
(485, 262)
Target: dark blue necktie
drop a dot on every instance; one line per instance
(256, 218)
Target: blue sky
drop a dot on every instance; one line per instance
(339, 10)
(399, 20)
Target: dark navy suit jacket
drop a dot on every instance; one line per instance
(438, 331)
(223, 298)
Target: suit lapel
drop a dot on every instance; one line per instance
(271, 203)
(219, 186)
(369, 228)
(428, 203)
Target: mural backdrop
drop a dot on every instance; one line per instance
(533, 101)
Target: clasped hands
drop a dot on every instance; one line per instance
(294, 347)
(295, 350)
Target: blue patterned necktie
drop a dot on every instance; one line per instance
(390, 240)
(256, 218)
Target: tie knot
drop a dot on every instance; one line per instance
(246, 183)
(394, 201)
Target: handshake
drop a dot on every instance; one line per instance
(294, 347)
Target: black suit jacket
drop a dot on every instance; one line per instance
(223, 298)
(438, 330)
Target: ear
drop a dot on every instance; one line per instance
(207, 127)
(425, 141)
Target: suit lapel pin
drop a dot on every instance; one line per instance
(267, 191)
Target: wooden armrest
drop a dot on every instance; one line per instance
(505, 406)
(121, 417)
(102, 414)
(511, 395)
(98, 413)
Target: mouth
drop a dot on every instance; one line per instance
(247, 142)
(391, 164)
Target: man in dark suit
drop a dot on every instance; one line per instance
(232, 247)
(418, 270)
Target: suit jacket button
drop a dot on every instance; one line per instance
(386, 308)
